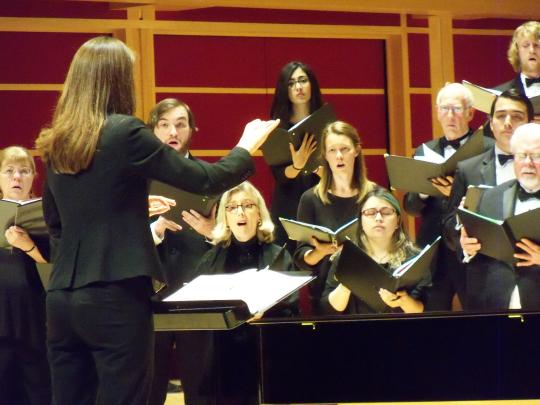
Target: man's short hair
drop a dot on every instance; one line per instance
(457, 88)
(514, 94)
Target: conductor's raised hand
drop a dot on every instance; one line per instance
(158, 204)
(255, 133)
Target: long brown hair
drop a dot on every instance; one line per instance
(359, 178)
(99, 82)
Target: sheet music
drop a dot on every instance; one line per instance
(259, 289)
(430, 156)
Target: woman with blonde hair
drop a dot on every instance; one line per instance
(99, 159)
(243, 240)
(24, 370)
(333, 201)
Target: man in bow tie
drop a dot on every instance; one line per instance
(524, 56)
(454, 112)
(493, 284)
(508, 111)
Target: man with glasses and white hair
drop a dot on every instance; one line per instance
(454, 112)
(493, 283)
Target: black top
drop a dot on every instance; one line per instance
(312, 210)
(22, 297)
(286, 196)
(99, 217)
(243, 255)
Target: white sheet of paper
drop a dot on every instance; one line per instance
(259, 289)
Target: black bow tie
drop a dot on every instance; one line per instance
(455, 143)
(504, 158)
(530, 82)
(524, 195)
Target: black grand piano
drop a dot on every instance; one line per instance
(397, 357)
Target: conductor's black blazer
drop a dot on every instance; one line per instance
(98, 218)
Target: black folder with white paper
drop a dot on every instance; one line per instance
(302, 231)
(483, 97)
(276, 148)
(415, 174)
(497, 237)
(25, 214)
(184, 200)
(225, 301)
(357, 271)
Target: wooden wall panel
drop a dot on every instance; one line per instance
(37, 57)
(280, 16)
(419, 74)
(209, 61)
(367, 113)
(421, 126)
(481, 59)
(24, 113)
(338, 63)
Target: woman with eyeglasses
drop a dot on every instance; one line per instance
(333, 202)
(296, 96)
(24, 370)
(381, 234)
(243, 240)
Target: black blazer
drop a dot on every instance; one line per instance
(98, 218)
(471, 172)
(515, 83)
(181, 251)
(490, 282)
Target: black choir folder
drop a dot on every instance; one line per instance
(26, 214)
(498, 237)
(302, 231)
(357, 271)
(184, 200)
(414, 174)
(276, 148)
(483, 97)
(225, 301)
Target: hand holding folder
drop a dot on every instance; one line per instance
(415, 174)
(25, 214)
(184, 200)
(357, 271)
(276, 149)
(498, 238)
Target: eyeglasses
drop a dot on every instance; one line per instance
(302, 81)
(521, 157)
(384, 212)
(246, 206)
(456, 109)
(22, 172)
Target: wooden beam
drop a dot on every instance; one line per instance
(524, 9)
